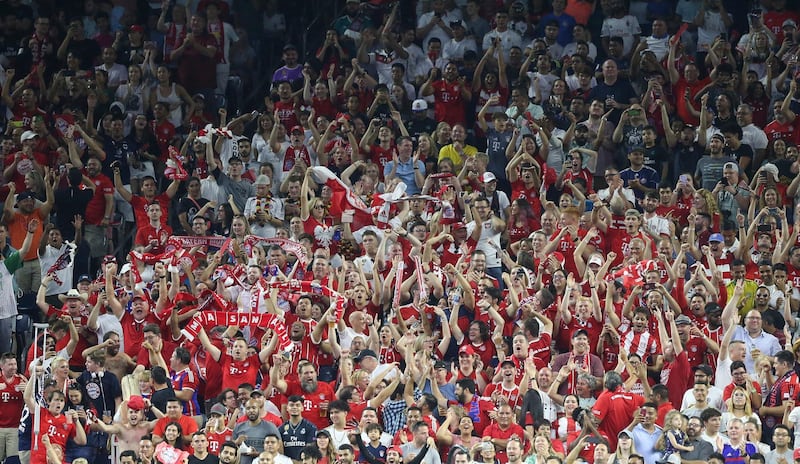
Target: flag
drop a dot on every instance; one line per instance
(343, 198)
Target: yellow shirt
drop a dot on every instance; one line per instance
(450, 153)
(748, 300)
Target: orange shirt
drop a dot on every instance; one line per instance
(18, 229)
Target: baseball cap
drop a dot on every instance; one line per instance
(136, 403)
(458, 23)
(716, 238)
(789, 23)
(596, 259)
(718, 136)
(580, 332)
(256, 393)
(466, 349)
(297, 129)
(365, 354)
(26, 195)
(218, 409)
(419, 105)
(199, 95)
(488, 177)
(507, 361)
(288, 47)
(624, 432)
(28, 135)
(796, 454)
(397, 449)
(84, 278)
(263, 179)
(440, 365)
(683, 319)
(136, 28)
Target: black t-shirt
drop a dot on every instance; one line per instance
(654, 156)
(86, 51)
(621, 91)
(69, 202)
(744, 151)
(209, 459)
(190, 206)
(159, 400)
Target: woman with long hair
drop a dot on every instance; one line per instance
(221, 225)
(625, 448)
(325, 446)
(541, 450)
(141, 163)
(521, 223)
(704, 201)
(134, 94)
(173, 436)
(173, 95)
(738, 407)
(441, 137)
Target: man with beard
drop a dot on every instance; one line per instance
(316, 395)
(100, 207)
(238, 367)
(12, 404)
(478, 409)
(116, 361)
(503, 431)
(449, 93)
(229, 453)
(51, 249)
(709, 168)
(18, 219)
(131, 432)
(253, 432)
(653, 224)
(701, 449)
(421, 440)
(581, 359)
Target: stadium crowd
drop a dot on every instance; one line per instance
(486, 231)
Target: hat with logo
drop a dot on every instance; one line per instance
(419, 105)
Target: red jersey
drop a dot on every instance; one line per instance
(140, 204)
(235, 373)
(58, 429)
(787, 131)
(294, 154)
(148, 233)
(645, 344)
(312, 401)
(494, 431)
(511, 395)
(286, 114)
(216, 439)
(133, 332)
(615, 411)
(519, 190)
(11, 401)
(25, 165)
(164, 132)
(23, 117)
(449, 106)
(540, 350)
(96, 208)
(381, 156)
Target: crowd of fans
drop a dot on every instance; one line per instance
(453, 231)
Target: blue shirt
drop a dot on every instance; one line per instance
(647, 176)
(405, 171)
(645, 443)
